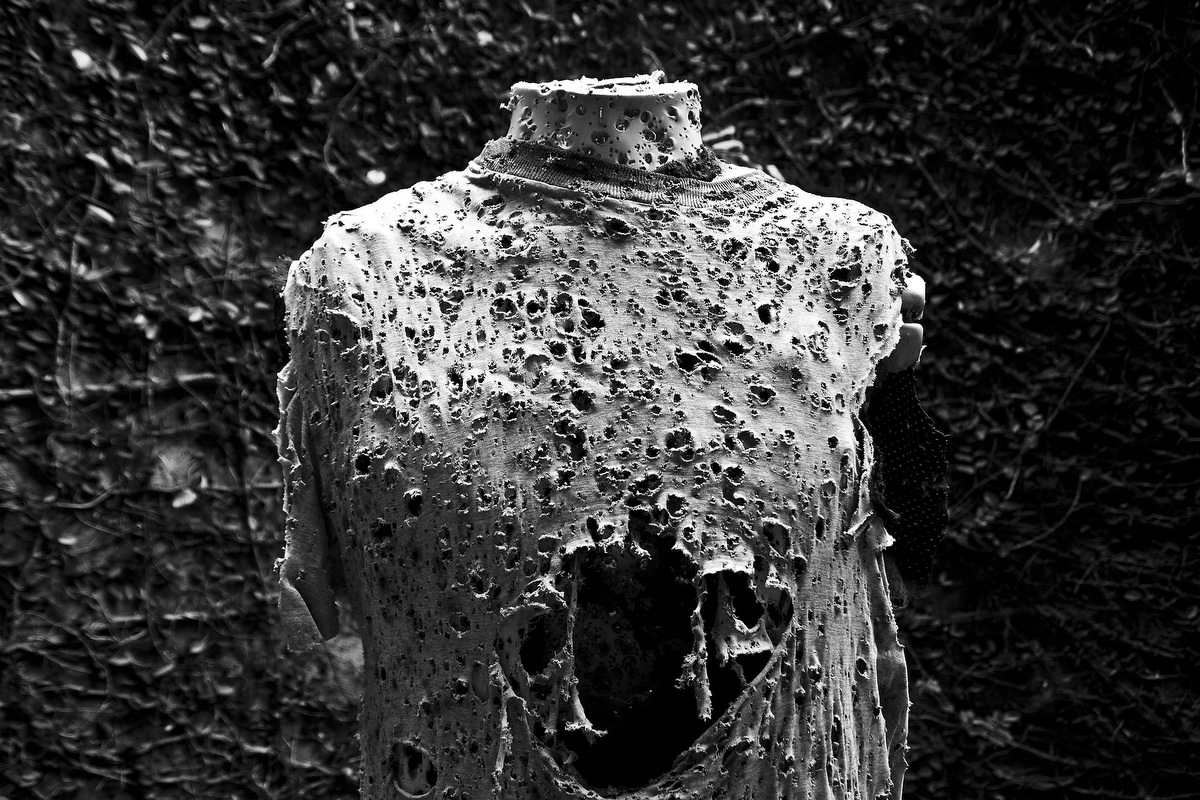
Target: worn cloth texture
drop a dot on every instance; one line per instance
(583, 445)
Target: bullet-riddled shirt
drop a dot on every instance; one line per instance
(584, 445)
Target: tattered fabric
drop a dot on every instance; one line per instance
(585, 444)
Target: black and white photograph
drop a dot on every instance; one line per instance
(609, 400)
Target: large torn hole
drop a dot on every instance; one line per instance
(632, 633)
(632, 636)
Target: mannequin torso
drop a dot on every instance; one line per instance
(572, 426)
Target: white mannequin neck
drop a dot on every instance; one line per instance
(638, 122)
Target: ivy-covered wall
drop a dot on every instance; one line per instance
(159, 159)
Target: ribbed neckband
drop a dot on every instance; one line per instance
(539, 162)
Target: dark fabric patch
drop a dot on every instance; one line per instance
(910, 474)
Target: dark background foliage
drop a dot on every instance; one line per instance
(159, 158)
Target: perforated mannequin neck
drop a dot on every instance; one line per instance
(640, 121)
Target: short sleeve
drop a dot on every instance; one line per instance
(306, 602)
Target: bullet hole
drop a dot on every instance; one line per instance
(570, 438)
(778, 536)
(748, 440)
(591, 320)
(544, 638)
(848, 274)
(479, 583)
(686, 361)
(381, 387)
(391, 476)
(735, 328)
(579, 353)
(734, 346)
(382, 530)
(675, 504)
(561, 305)
(842, 282)
(506, 241)
(543, 487)
(362, 463)
(764, 255)
(451, 303)
(503, 308)
(764, 313)
(735, 250)
(679, 440)
(583, 400)
(647, 484)
(534, 365)
(557, 349)
(860, 666)
(762, 394)
(619, 228)
(413, 771)
(724, 415)
(413, 499)
(534, 309)
(593, 528)
(733, 478)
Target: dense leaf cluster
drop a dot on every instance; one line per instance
(159, 158)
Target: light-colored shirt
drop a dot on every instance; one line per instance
(583, 445)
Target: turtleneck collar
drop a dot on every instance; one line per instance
(556, 167)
